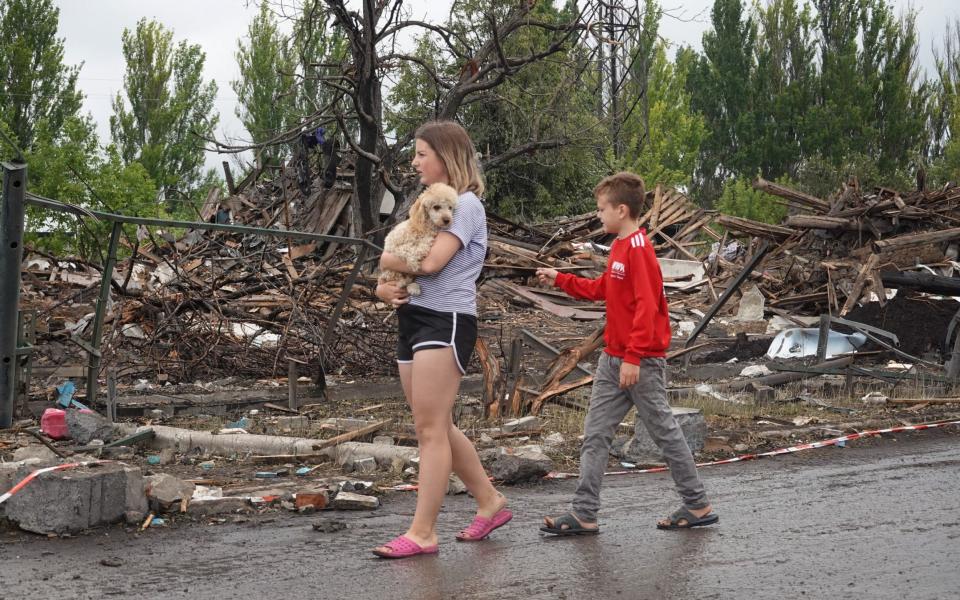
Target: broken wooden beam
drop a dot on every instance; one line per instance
(755, 228)
(793, 196)
(556, 390)
(924, 282)
(824, 222)
(915, 239)
(352, 435)
(863, 277)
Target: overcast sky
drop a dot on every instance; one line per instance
(92, 30)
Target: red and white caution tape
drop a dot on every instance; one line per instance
(789, 450)
(26, 480)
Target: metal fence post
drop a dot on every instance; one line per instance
(11, 254)
(93, 370)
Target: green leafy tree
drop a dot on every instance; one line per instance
(740, 199)
(35, 85)
(944, 145)
(839, 119)
(67, 164)
(168, 109)
(663, 146)
(540, 120)
(313, 46)
(890, 76)
(721, 90)
(265, 90)
(785, 83)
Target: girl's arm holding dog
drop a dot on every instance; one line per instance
(443, 249)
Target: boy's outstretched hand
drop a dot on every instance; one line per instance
(547, 276)
(629, 374)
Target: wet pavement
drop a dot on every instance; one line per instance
(878, 519)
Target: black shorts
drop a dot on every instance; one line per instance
(422, 328)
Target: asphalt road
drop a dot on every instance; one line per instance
(878, 519)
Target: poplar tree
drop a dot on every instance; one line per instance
(166, 111)
(35, 85)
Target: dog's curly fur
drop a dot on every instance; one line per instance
(411, 240)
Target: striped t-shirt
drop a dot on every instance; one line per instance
(454, 288)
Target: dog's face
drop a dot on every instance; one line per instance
(440, 212)
(436, 205)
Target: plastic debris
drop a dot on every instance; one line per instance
(798, 343)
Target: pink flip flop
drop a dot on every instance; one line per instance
(402, 547)
(482, 527)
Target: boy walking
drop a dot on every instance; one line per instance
(630, 371)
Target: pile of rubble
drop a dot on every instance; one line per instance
(205, 305)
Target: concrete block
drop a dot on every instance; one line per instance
(346, 424)
(523, 424)
(641, 449)
(515, 465)
(207, 507)
(85, 427)
(384, 440)
(764, 394)
(167, 490)
(298, 424)
(73, 500)
(351, 501)
(553, 440)
(40, 453)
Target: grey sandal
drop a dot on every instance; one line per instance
(569, 525)
(689, 519)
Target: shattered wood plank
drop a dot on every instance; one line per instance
(930, 237)
(352, 435)
(679, 248)
(547, 349)
(824, 222)
(516, 397)
(657, 203)
(557, 390)
(755, 228)
(569, 359)
(793, 195)
(302, 250)
(859, 283)
(331, 213)
(556, 309)
(291, 270)
(492, 378)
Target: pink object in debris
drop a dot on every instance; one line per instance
(53, 422)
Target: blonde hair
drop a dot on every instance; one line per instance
(453, 145)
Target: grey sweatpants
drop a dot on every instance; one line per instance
(608, 405)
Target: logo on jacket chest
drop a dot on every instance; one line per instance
(618, 270)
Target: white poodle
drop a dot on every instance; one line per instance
(411, 240)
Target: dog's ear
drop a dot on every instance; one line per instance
(418, 213)
(414, 209)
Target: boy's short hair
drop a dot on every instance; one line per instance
(623, 188)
